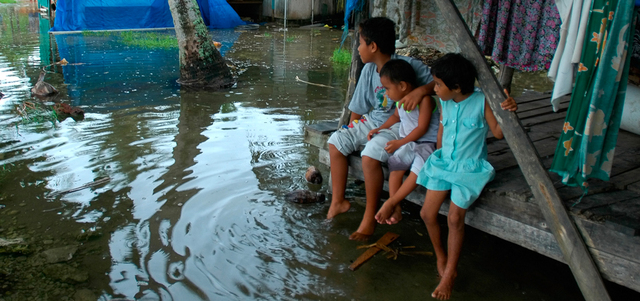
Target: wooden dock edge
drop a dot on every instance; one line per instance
(525, 226)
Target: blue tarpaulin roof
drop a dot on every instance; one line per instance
(74, 15)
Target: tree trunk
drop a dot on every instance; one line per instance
(201, 65)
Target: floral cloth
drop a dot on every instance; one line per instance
(521, 34)
(588, 139)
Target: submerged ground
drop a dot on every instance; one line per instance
(190, 203)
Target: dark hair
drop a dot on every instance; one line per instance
(381, 31)
(399, 71)
(455, 71)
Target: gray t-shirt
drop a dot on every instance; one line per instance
(369, 97)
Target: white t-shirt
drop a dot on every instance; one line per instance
(369, 97)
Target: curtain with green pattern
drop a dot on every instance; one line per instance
(588, 139)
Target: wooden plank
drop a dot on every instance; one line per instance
(602, 199)
(531, 97)
(317, 134)
(573, 248)
(634, 187)
(386, 239)
(544, 112)
(505, 159)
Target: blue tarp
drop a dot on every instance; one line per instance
(74, 15)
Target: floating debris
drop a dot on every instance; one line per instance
(313, 175)
(304, 197)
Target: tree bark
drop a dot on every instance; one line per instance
(201, 65)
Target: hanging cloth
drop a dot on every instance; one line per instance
(567, 57)
(587, 142)
(521, 34)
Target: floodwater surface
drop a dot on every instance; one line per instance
(184, 195)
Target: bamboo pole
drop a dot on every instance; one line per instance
(573, 248)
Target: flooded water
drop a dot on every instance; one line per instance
(191, 201)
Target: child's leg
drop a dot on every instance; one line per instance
(454, 245)
(388, 207)
(395, 181)
(429, 213)
(373, 182)
(339, 171)
(391, 213)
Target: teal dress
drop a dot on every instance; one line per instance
(461, 164)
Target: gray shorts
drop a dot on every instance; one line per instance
(411, 156)
(351, 139)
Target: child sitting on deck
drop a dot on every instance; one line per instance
(418, 136)
(459, 167)
(369, 109)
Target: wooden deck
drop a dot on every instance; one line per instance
(608, 218)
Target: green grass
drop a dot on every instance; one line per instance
(267, 35)
(292, 38)
(149, 40)
(7, 1)
(144, 40)
(341, 57)
(97, 33)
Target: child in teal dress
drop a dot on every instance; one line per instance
(459, 168)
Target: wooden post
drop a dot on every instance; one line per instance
(506, 77)
(573, 248)
(356, 68)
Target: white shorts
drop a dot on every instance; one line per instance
(351, 139)
(411, 156)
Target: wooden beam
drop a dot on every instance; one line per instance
(506, 77)
(356, 67)
(573, 248)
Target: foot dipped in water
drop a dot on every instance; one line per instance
(444, 288)
(364, 232)
(338, 207)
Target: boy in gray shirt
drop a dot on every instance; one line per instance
(370, 108)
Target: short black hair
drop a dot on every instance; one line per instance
(456, 72)
(399, 71)
(381, 31)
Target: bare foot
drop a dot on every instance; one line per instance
(337, 208)
(367, 226)
(384, 213)
(359, 236)
(443, 291)
(396, 216)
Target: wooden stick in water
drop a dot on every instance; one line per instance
(386, 239)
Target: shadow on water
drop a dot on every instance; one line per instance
(194, 206)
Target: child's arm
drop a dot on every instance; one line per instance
(411, 100)
(509, 104)
(426, 107)
(440, 131)
(354, 116)
(393, 119)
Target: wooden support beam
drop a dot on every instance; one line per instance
(356, 66)
(506, 77)
(573, 248)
